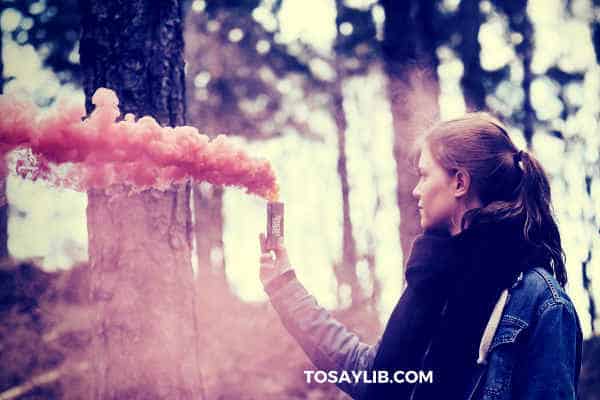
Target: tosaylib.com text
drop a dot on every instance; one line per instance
(352, 377)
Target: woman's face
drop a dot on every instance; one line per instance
(435, 194)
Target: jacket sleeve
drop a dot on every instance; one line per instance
(554, 349)
(328, 344)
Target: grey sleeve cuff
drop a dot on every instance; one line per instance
(279, 281)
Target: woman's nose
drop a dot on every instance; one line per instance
(415, 192)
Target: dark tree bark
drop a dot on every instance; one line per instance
(520, 22)
(3, 200)
(587, 286)
(589, 381)
(144, 345)
(470, 19)
(409, 53)
(596, 38)
(587, 281)
(3, 218)
(526, 49)
(1, 69)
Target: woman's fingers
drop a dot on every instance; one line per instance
(263, 246)
(276, 257)
(273, 262)
(279, 248)
(266, 258)
(267, 263)
(281, 252)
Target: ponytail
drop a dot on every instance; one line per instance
(540, 228)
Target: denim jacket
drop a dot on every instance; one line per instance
(535, 352)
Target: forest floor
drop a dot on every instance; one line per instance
(254, 356)
(246, 353)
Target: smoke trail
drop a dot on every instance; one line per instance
(99, 151)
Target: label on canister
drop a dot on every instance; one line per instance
(274, 223)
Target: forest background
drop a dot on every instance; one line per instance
(332, 93)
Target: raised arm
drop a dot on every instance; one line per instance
(327, 342)
(331, 346)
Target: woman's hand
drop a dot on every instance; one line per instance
(272, 262)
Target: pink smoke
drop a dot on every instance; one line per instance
(101, 151)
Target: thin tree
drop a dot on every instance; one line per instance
(3, 200)
(592, 174)
(222, 78)
(144, 341)
(346, 271)
(469, 22)
(519, 22)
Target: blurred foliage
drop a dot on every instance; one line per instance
(234, 67)
(244, 80)
(52, 28)
(357, 36)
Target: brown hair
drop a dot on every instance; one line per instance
(511, 184)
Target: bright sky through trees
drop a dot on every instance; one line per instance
(50, 223)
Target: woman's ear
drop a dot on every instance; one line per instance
(462, 182)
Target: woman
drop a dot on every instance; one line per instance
(484, 307)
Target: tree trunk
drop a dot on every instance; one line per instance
(409, 53)
(596, 36)
(587, 286)
(3, 174)
(208, 199)
(518, 20)
(346, 271)
(521, 23)
(471, 82)
(1, 66)
(144, 345)
(3, 215)
(596, 44)
(526, 49)
(208, 221)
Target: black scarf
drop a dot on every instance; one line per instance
(453, 284)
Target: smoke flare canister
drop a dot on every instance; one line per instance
(274, 224)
